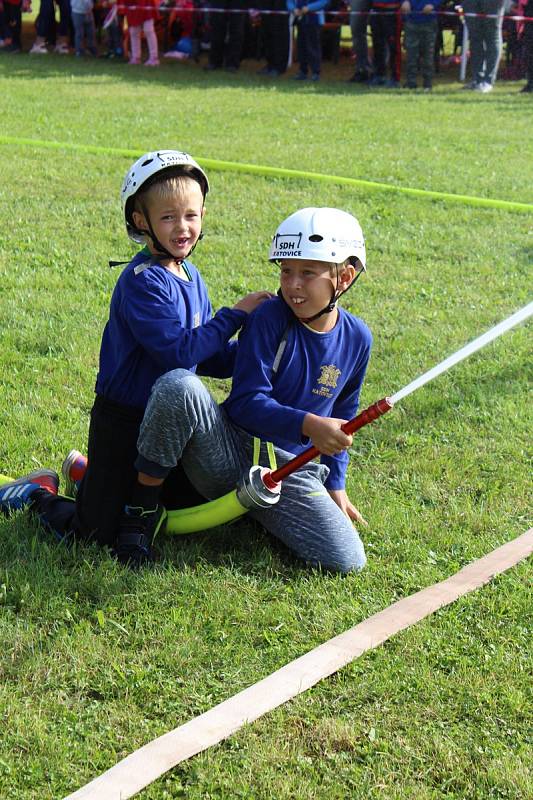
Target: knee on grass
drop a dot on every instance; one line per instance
(347, 563)
(349, 558)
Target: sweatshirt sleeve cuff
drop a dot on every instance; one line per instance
(337, 472)
(233, 315)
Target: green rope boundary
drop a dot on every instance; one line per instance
(279, 172)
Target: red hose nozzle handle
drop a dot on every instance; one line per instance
(271, 479)
(367, 416)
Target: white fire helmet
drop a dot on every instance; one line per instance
(320, 234)
(146, 167)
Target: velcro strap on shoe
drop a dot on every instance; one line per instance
(133, 541)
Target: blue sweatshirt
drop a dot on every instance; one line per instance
(315, 11)
(415, 15)
(320, 373)
(158, 322)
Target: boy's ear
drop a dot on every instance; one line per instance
(139, 220)
(347, 275)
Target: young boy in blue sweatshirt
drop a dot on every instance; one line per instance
(309, 18)
(160, 318)
(298, 374)
(420, 26)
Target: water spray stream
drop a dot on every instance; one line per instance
(464, 352)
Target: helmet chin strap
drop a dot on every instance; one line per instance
(330, 306)
(161, 250)
(326, 310)
(334, 298)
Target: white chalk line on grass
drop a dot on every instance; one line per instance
(280, 172)
(145, 765)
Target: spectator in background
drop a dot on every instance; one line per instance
(358, 25)
(485, 35)
(112, 23)
(275, 37)
(84, 27)
(46, 28)
(4, 35)
(512, 32)
(309, 18)
(141, 16)
(420, 28)
(181, 25)
(386, 26)
(12, 18)
(227, 34)
(528, 47)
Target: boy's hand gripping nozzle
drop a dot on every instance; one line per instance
(271, 480)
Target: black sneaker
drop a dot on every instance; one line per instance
(136, 532)
(361, 76)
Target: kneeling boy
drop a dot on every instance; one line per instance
(298, 374)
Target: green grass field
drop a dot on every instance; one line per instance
(95, 660)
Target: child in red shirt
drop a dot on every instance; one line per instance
(140, 14)
(181, 25)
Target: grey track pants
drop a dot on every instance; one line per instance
(183, 422)
(485, 38)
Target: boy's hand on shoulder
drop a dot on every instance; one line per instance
(326, 434)
(250, 301)
(346, 506)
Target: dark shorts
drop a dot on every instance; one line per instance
(109, 480)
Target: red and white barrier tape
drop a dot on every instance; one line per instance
(123, 9)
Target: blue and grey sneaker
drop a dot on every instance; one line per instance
(18, 494)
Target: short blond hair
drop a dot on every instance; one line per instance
(163, 190)
(168, 184)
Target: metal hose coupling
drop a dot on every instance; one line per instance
(252, 492)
